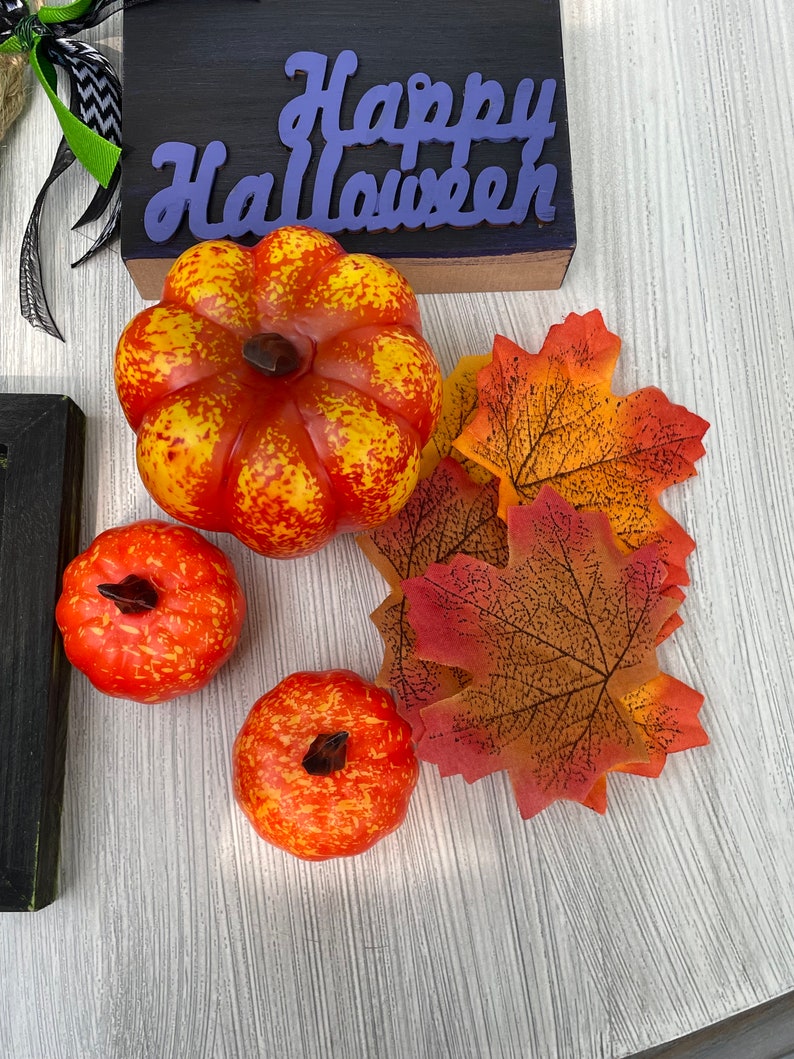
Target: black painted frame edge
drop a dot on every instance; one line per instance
(48, 433)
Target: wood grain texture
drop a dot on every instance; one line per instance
(535, 271)
(468, 933)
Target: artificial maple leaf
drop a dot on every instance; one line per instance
(446, 514)
(665, 711)
(457, 410)
(554, 641)
(551, 418)
(596, 797)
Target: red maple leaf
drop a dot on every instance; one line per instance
(558, 643)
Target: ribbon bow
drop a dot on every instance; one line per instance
(91, 124)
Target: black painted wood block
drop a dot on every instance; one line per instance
(42, 441)
(431, 134)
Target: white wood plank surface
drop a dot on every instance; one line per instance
(469, 933)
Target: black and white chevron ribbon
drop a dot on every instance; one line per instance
(10, 13)
(95, 99)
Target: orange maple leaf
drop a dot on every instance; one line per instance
(446, 514)
(559, 643)
(459, 407)
(551, 419)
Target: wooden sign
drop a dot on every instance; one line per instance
(431, 134)
(41, 468)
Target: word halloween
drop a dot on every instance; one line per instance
(402, 197)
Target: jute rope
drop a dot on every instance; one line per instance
(12, 84)
(12, 89)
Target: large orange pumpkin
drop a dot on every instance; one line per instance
(282, 393)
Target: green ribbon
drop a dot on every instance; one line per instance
(98, 155)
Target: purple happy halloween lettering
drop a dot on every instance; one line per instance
(403, 197)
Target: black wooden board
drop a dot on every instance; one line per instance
(42, 440)
(216, 72)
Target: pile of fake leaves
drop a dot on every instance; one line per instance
(534, 572)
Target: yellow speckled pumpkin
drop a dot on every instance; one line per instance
(282, 393)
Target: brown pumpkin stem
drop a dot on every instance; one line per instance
(327, 754)
(271, 353)
(133, 595)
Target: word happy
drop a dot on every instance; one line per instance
(408, 196)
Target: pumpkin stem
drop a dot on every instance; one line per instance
(327, 754)
(133, 595)
(271, 353)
